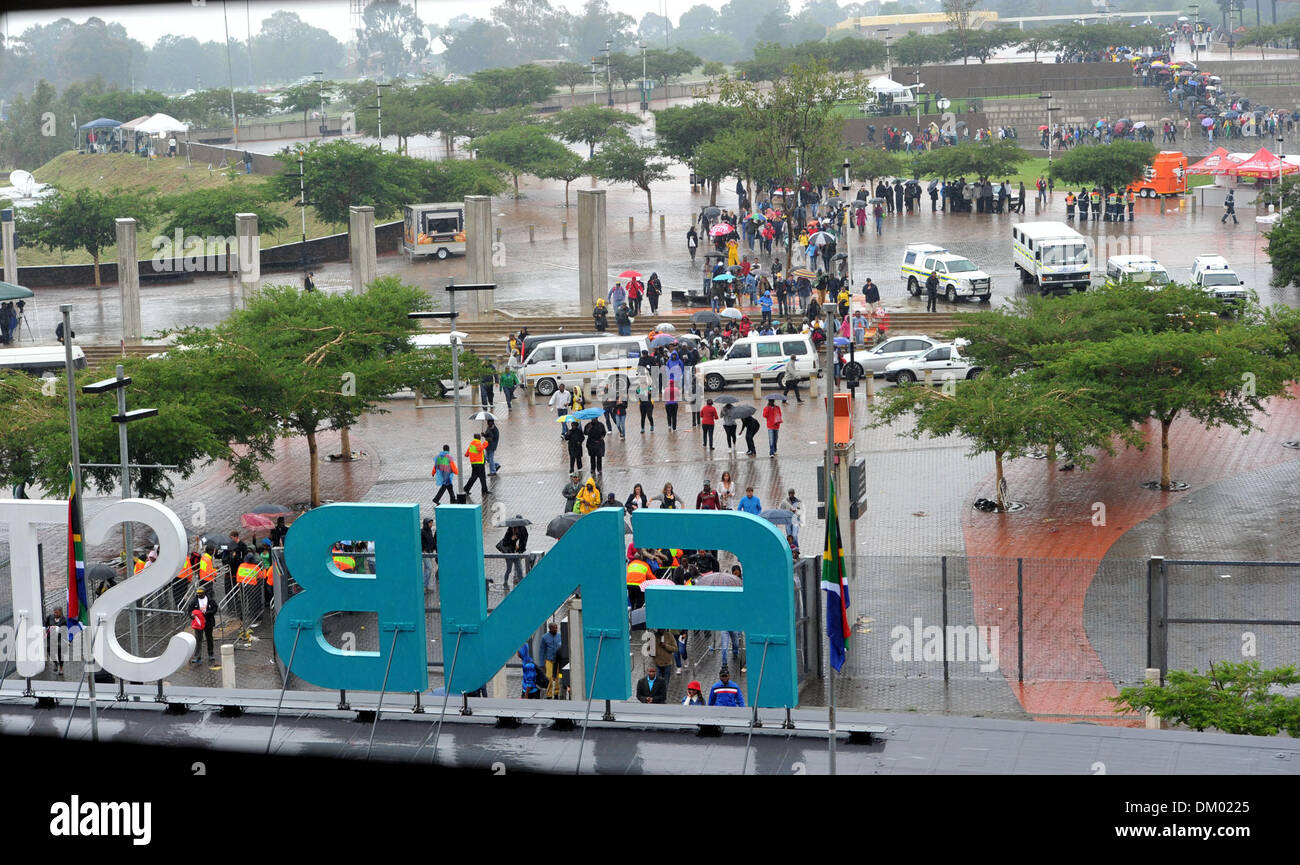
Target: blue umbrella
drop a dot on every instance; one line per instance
(841, 340)
(101, 123)
(582, 414)
(724, 277)
(663, 339)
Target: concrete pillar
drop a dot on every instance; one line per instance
(758, 387)
(577, 652)
(814, 386)
(248, 254)
(128, 280)
(631, 224)
(593, 247)
(361, 241)
(228, 665)
(564, 229)
(531, 230)
(478, 253)
(1151, 720)
(10, 253)
(662, 227)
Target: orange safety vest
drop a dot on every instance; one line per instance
(677, 554)
(345, 563)
(1129, 197)
(139, 566)
(207, 571)
(186, 572)
(247, 574)
(637, 572)
(1069, 199)
(476, 451)
(269, 573)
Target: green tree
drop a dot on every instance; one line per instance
(301, 363)
(31, 136)
(590, 125)
(193, 426)
(521, 149)
(340, 174)
(714, 69)
(305, 98)
(83, 219)
(730, 154)
(211, 211)
(958, 15)
(1263, 36)
(571, 74)
(391, 38)
(515, 86)
(982, 159)
(1284, 250)
(681, 129)
(622, 160)
(1220, 378)
(795, 132)
(868, 163)
(1114, 166)
(1006, 416)
(568, 167)
(1238, 698)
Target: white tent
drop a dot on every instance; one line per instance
(160, 124)
(890, 87)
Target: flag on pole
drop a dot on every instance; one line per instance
(837, 591)
(77, 606)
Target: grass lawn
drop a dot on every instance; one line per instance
(164, 177)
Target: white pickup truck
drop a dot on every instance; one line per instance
(942, 361)
(1215, 276)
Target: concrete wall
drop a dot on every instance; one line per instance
(1006, 79)
(388, 238)
(214, 155)
(265, 131)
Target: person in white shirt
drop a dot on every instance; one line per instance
(560, 401)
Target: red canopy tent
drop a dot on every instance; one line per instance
(1217, 162)
(1263, 165)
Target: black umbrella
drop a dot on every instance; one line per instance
(779, 396)
(101, 573)
(706, 317)
(517, 522)
(725, 400)
(741, 412)
(712, 211)
(271, 509)
(561, 524)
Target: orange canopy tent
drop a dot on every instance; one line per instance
(1217, 162)
(1263, 165)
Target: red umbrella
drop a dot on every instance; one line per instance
(1042, 129)
(720, 229)
(628, 274)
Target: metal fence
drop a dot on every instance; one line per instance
(1202, 612)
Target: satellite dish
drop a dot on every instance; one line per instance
(23, 182)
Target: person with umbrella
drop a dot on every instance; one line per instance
(772, 414)
(729, 420)
(635, 291)
(514, 544)
(595, 434)
(751, 429)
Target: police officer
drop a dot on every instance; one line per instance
(1082, 199)
(1069, 205)
(1129, 199)
(1094, 199)
(1229, 209)
(1112, 207)
(932, 291)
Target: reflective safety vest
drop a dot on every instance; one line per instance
(1095, 197)
(186, 572)
(345, 563)
(207, 571)
(1130, 197)
(676, 554)
(476, 451)
(268, 573)
(247, 574)
(637, 572)
(1069, 199)
(1112, 199)
(139, 566)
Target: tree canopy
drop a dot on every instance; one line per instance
(975, 159)
(623, 160)
(522, 150)
(83, 218)
(1115, 165)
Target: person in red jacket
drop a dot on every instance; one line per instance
(772, 414)
(708, 417)
(635, 291)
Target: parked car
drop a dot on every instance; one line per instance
(958, 277)
(943, 361)
(892, 349)
(765, 355)
(1215, 276)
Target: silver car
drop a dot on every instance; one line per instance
(892, 349)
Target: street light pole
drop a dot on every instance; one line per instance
(609, 78)
(302, 206)
(595, 70)
(848, 230)
(321, 83)
(645, 98)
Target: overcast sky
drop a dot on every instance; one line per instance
(204, 22)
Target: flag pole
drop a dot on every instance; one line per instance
(830, 448)
(66, 310)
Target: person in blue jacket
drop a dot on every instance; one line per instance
(725, 692)
(531, 687)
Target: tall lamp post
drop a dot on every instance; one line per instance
(379, 107)
(320, 82)
(645, 91)
(1196, 31)
(451, 314)
(609, 78)
(916, 97)
(888, 36)
(122, 418)
(1048, 97)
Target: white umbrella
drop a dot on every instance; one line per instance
(732, 312)
(1141, 124)
(666, 328)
